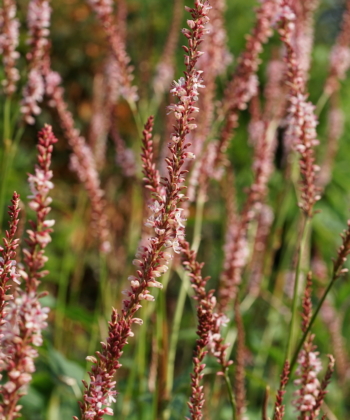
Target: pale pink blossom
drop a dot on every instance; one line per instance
(38, 20)
(9, 39)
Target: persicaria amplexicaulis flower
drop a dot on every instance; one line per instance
(244, 83)
(167, 221)
(104, 11)
(302, 122)
(8, 263)
(38, 20)
(208, 330)
(25, 317)
(9, 39)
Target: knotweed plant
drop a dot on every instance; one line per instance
(211, 203)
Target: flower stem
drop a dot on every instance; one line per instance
(303, 338)
(321, 102)
(230, 393)
(175, 331)
(292, 327)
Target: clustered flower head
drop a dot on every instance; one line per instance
(8, 257)
(25, 319)
(38, 20)
(9, 38)
(39, 235)
(236, 245)
(100, 393)
(24, 316)
(166, 218)
(302, 122)
(279, 407)
(309, 365)
(104, 12)
(152, 261)
(310, 393)
(244, 83)
(208, 331)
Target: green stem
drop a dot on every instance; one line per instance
(230, 393)
(321, 103)
(292, 327)
(308, 329)
(175, 331)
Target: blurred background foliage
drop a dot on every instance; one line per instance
(83, 288)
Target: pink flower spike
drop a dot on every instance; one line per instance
(9, 38)
(26, 318)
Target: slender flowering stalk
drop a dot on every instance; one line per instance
(323, 388)
(20, 335)
(8, 257)
(107, 90)
(151, 262)
(104, 12)
(236, 247)
(244, 83)
(208, 331)
(301, 134)
(206, 303)
(311, 393)
(25, 318)
(82, 159)
(340, 55)
(9, 38)
(151, 174)
(165, 67)
(302, 122)
(338, 271)
(309, 364)
(214, 62)
(304, 34)
(38, 20)
(39, 234)
(279, 407)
